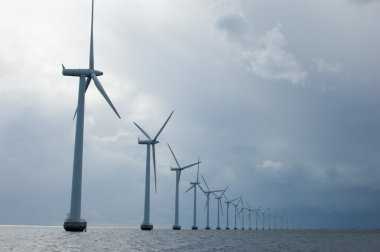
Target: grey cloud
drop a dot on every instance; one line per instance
(232, 24)
(325, 66)
(266, 55)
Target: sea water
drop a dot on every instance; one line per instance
(32, 238)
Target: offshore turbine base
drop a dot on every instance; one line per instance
(175, 227)
(75, 226)
(146, 227)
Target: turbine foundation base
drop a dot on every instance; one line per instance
(235, 228)
(175, 227)
(146, 227)
(207, 228)
(218, 228)
(227, 228)
(194, 228)
(75, 226)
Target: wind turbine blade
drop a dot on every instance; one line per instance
(221, 207)
(198, 170)
(191, 187)
(224, 191)
(202, 189)
(174, 156)
(238, 201)
(154, 166)
(216, 191)
(225, 197)
(205, 182)
(163, 126)
(101, 90)
(188, 166)
(205, 206)
(260, 207)
(75, 114)
(88, 81)
(92, 38)
(146, 134)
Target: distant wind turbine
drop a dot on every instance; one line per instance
(219, 202)
(257, 215)
(263, 213)
(228, 206)
(194, 185)
(242, 216)
(178, 171)
(236, 211)
(207, 193)
(250, 210)
(74, 221)
(146, 225)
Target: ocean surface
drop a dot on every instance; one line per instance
(32, 238)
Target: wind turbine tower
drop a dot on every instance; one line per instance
(73, 222)
(242, 216)
(207, 193)
(228, 206)
(194, 185)
(250, 210)
(257, 215)
(219, 198)
(235, 206)
(263, 213)
(146, 225)
(178, 171)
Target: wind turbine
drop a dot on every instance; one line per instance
(287, 223)
(207, 193)
(242, 216)
(228, 206)
(194, 185)
(146, 225)
(257, 215)
(74, 222)
(219, 198)
(249, 209)
(263, 213)
(235, 206)
(178, 171)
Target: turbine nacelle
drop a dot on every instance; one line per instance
(147, 141)
(176, 169)
(80, 72)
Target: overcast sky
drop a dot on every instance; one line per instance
(279, 99)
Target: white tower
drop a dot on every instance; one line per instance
(146, 225)
(194, 185)
(178, 171)
(74, 221)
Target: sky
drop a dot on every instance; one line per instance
(279, 99)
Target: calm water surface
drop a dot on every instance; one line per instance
(30, 238)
